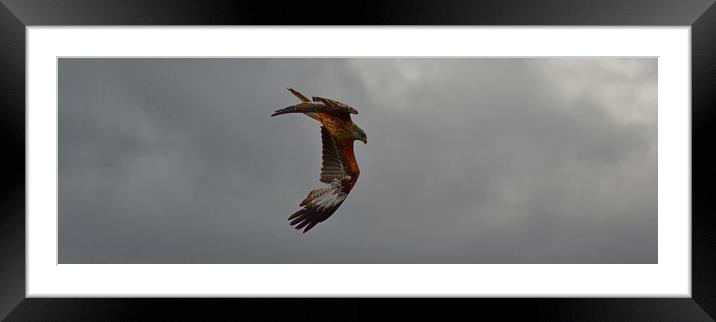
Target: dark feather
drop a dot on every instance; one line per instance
(336, 104)
(310, 107)
(310, 217)
(299, 95)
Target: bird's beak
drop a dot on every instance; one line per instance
(365, 140)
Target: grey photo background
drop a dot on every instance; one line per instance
(469, 160)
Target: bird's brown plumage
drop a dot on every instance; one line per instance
(339, 168)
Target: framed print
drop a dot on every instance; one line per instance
(550, 158)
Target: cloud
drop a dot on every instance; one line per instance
(470, 160)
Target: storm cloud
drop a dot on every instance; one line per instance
(469, 160)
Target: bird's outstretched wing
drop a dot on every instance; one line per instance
(336, 104)
(339, 178)
(311, 107)
(318, 105)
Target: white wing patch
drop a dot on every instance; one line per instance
(323, 198)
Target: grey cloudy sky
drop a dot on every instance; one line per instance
(469, 160)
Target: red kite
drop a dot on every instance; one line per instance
(339, 170)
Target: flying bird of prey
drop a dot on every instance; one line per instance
(339, 170)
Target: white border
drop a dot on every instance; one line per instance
(670, 277)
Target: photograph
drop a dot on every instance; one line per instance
(536, 160)
(471, 160)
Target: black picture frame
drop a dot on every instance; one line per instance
(15, 15)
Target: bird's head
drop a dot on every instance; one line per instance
(359, 134)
